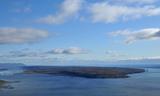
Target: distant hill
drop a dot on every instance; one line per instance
(11, 65)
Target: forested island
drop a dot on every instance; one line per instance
(86, 72)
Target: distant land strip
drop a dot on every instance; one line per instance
(86, 72)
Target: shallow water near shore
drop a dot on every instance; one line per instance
(142, 84)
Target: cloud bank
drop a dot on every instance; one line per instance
(11, 35)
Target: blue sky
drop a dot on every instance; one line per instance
(48, 31)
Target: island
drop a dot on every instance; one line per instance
(86, 72)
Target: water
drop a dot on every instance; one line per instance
(143, 84)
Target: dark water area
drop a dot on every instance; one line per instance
(142, 84)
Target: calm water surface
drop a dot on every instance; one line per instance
(143, 84)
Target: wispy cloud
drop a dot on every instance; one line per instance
(109, 13)
(115, 54)
(71, 50)
(143, 34)
(10, 35)
(28, 53)
(143, 58)
(14, 54)
(23, 10)
(68, 9)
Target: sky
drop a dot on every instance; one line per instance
(53, 31)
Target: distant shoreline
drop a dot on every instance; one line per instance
(85, 72)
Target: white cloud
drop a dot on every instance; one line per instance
(68, 9)
(143, 34)
(109, 13)
(10, 35)
(71, 50)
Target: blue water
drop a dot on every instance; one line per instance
(143, 84)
